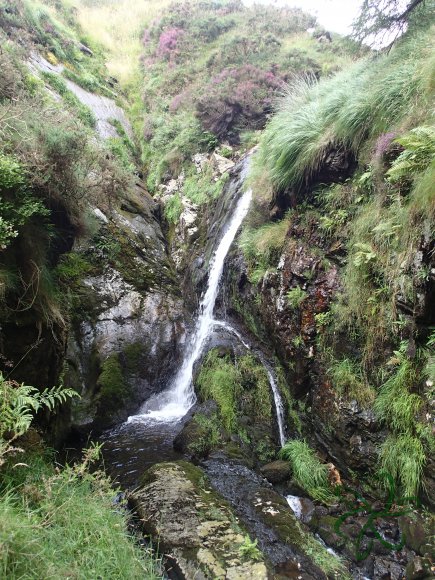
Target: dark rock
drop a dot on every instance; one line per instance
(385, 569)
(419, 568)
(281, 536)
(417, 530)
(277, 471)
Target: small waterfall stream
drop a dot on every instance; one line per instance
(146, 438)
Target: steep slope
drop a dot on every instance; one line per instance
(84, 262)
(341, 280)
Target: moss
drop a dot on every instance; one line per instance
(114, 390)
(133, 355)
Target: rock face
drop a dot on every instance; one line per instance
(129, 320)
(196, 529)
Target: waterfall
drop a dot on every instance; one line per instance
(180, 397)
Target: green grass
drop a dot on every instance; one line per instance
(64, 525)
(239, 387)
(263, 246)
(219, 380)
(308, 471)
(403, 457)
(348, 381)
(363, 101)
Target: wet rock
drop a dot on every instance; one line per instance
(277, 471)
(133, 334)
(281, 537)
(418, 531)
(221, 164)
(193, 525)
(419, 569)
(387, 570)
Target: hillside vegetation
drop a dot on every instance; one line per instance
(212, 72)
(353, 156)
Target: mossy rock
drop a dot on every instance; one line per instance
(113, 388)
(194, 525)
(274, 511)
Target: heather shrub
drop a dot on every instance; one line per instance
(236, 98)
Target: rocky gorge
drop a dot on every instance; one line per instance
(241, 298)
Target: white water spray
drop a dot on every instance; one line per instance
(176, 402)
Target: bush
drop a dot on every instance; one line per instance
(237, 98)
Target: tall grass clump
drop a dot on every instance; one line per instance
(56, 524)
(398, 405)
(372, 96)
(308, 471)
(348, 381)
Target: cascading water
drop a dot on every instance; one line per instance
(177, 401)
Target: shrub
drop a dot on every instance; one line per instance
(17, 204)
(238, 97)
(168, 41)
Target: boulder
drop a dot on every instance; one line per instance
(277, 471)
(194, 526)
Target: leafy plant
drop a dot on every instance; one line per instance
(18, 406)
(249, 551)
(419, 145)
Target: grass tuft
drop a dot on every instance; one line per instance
(308, 471)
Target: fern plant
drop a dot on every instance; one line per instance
(419, 144)
(18, 406)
